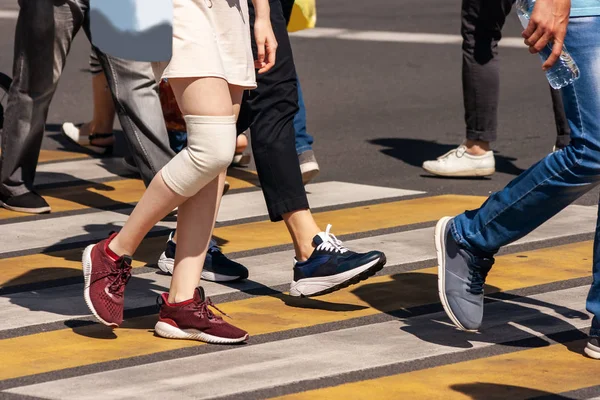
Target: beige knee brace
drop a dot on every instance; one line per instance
(210, 149)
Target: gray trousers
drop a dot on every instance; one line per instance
(44, 33)
(481, 29)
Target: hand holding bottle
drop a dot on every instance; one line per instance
(548, 23)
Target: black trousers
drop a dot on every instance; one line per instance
(269, 112)
(481, 29)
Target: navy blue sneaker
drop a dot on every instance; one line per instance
(592, 349)
(332, 267)
(217, 267)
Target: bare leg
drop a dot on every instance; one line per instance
(104, 112)
(477, 147)
(302, 228)
(241, 144)
(104, 109)
(204, 96)
(197, 216)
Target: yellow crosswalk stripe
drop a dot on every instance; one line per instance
(255, 235)
(60, 155)
(523, 374)
(55, 350)
(113, 193)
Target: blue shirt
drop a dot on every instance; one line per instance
(585, 8)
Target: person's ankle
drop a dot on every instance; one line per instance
(178, 297)
(304, 252)
(477, 147)
(115, 247)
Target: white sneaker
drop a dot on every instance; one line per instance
(308, 166)
(458, 162)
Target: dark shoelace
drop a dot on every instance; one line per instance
(203, 310)
(122, 276)
(479, 267)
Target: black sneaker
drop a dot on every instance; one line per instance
(332, 267)
(592, 349)
(217, 267)
(29, 202)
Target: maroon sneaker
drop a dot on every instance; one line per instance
(193, 320)
(105, 282)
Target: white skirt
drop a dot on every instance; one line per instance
(211, 38)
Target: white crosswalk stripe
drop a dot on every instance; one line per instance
(316, 356)
(342, 347)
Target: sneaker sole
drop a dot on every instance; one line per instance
(592, 351)
(165, 330)
(440, 249)
(87, 273)
(464, 174)
(303, 288)
(39, 210)
(166, 265)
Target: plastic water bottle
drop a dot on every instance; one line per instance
(564, 71)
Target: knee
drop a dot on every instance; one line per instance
(210, 149)
(583, 158)
(211, 156)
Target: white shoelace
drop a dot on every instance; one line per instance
(331, 243)
(460, 151)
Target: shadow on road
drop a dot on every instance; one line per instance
(415, 151)
(409, 291)
(495, 391)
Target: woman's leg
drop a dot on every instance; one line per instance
(196, 97)
(211, 143)
(196, 217)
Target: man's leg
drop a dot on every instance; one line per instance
(323, 264)
(481, 28)
(43, 38)
(466, 244)
(135, 93)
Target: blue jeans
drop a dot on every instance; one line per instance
(303, 139)
(559, 179)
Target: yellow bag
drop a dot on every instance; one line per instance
(304, 15)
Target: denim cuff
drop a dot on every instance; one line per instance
(302, 149)
(464, 243)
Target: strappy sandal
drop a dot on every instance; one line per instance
(73, 133)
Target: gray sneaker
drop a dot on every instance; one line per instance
(461, 277)
(308, 166)
(592, 349)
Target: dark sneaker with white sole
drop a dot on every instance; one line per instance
(217, 267)
(592, 349)
(30, 202)
(332, 267)
(194, 320)
(461, 277)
